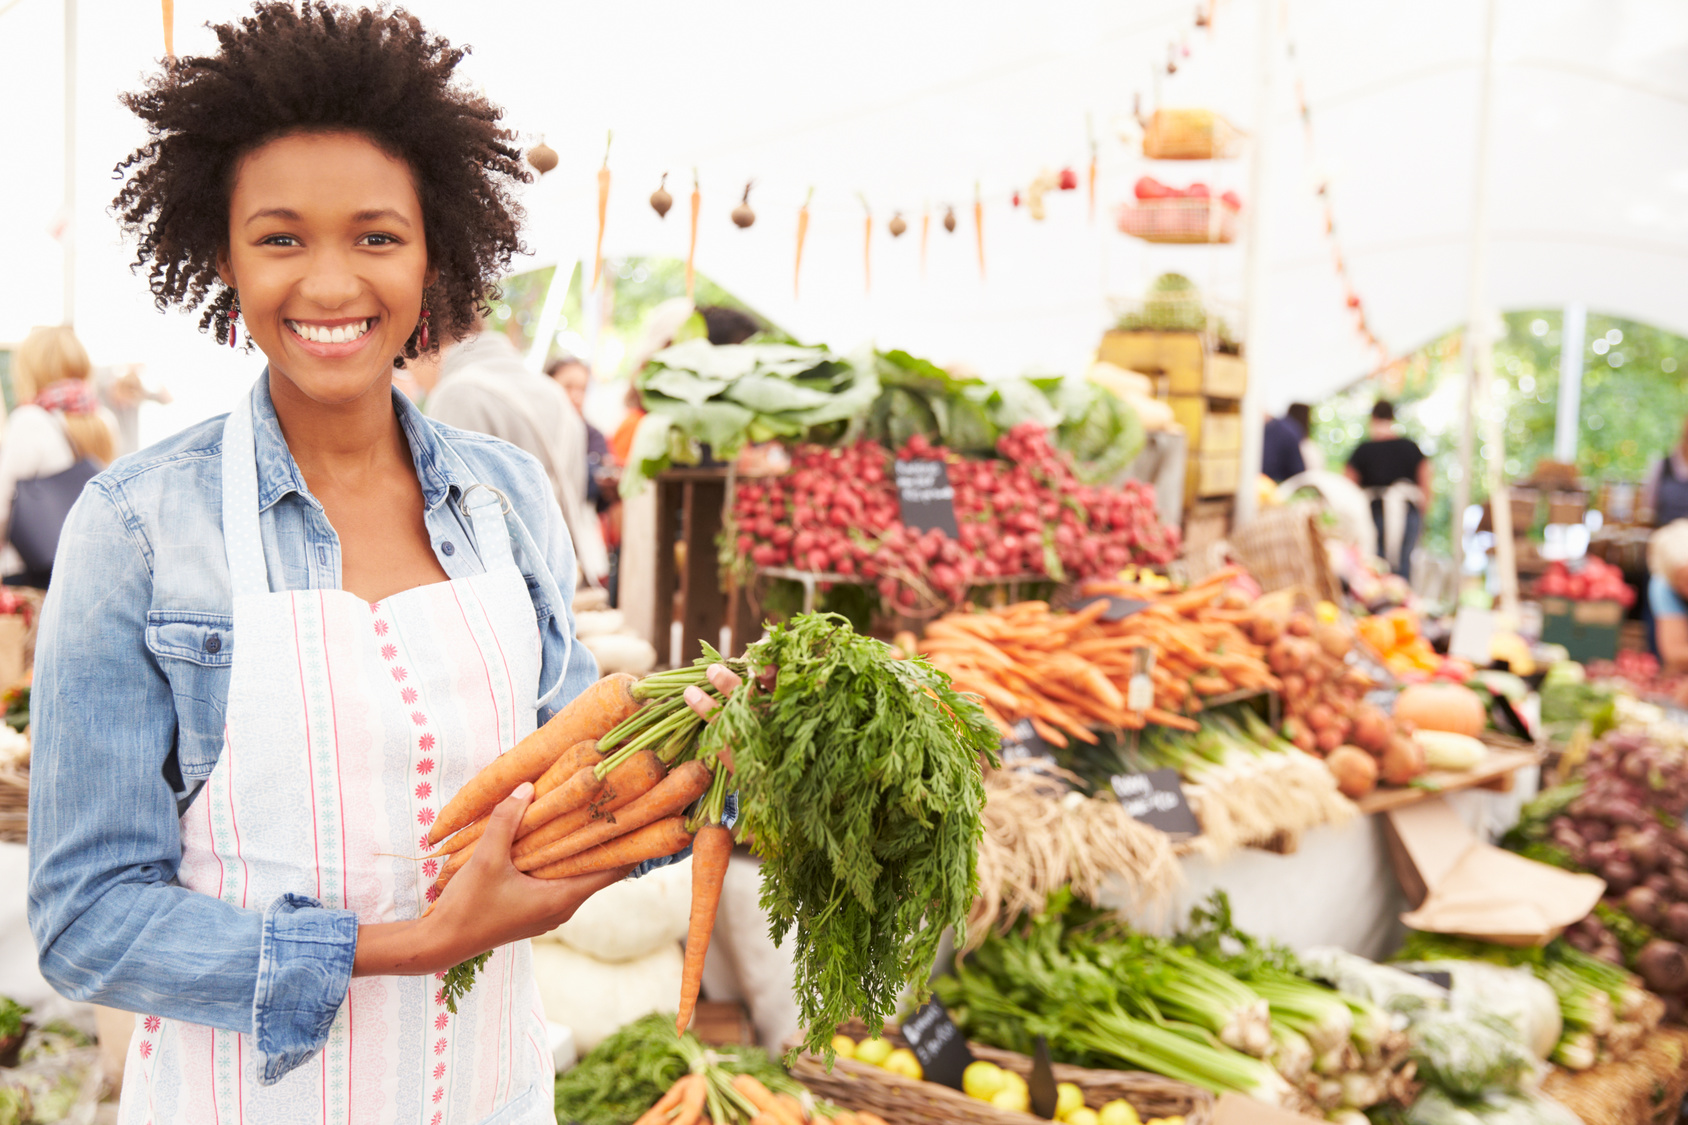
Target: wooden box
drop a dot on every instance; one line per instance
(1226, 376)
(1216, 474)
(1134, 351)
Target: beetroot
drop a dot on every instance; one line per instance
(1619, 875)
(1642, 904)
(1675, 921)
(1664, 966)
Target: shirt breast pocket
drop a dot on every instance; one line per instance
(196, 651)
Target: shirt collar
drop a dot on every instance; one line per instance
(437, 470)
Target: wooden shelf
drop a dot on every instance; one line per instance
(1494, 773)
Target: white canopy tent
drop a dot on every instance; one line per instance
(912, 105)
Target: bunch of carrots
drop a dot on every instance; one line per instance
(603, 799)
(1070, 672)
(722, 1098)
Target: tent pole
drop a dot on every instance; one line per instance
(551, 313)
(1573, 325)
(1255, 282)
(67, 238)
(1480, 345)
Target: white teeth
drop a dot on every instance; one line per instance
(319, 334)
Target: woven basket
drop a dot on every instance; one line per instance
(1284, 547)
(14, 805)
(1189, 134)
(904, 1101)
(1177, 220)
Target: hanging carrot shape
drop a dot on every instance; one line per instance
(867, 246)
(979, 224)
(603, 209)
(169, 29)
(925, 231)
(802, 233)
(691, 246)
(1090, 127)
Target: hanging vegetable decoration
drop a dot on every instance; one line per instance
(743, 216)
(169, 29)
(979, 224)
(1090, 128)
(867, 246)
(802, 233)
(896, 226)
(949, 219)
(925, 233)
(661, 201)
(542, 156)
(603, 209)
(691, 246)
(1069, 180)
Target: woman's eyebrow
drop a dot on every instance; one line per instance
(371, 215)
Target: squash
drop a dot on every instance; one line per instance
(1445, 750)
(1447, 707)
(633, 918)
(593, 998)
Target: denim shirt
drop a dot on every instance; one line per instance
(131, 678)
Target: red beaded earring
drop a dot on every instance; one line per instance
(232, 316)
(424, 340)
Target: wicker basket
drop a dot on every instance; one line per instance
(1189, 134)
(1284, 547)
(14, 805)
(1177, 220)
(904, 1101)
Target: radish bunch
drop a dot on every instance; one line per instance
(837, 512)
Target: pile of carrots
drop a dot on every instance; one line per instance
(711, 1094)
(1070, 672)
(595, 812)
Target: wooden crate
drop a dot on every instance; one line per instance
(1189, 411)
(1216, 474)
(1184, 360)
(1222, 433)
(1134, 351)
(1225, 376)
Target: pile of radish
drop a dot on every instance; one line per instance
(1025, 514)
(1596, 581)
(1147, 187)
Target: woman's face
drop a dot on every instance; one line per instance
(327, 253)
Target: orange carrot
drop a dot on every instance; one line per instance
(582, 755)
(710, 852)
(658, 1113)
(653, 841)
(792, 1107)
(979, 226)
(591, 714)
(567, 765)
(691, 246)
(603, 209)
(170, 28)
(863, 1117)
(802, 233)
(763, 1099)
(765, 1119)
(925, 231)
(623, 785)
(671, 795)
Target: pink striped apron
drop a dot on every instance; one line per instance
(347, 723)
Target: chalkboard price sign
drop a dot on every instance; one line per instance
(1118, 608)
(926, 497)
(938, 1044)
(1157, 799)
(1025, 746)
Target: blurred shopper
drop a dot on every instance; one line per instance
(1667, 559)
(1311, 455)
(57, 439)
(122, 391)
(1395, 474)
(1280, 449)
(1665, 491)
(482, 384)
(575, 377)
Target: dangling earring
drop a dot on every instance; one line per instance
(232, 316)
(424, 329)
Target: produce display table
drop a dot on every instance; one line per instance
(1495, 773)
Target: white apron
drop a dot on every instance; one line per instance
(347, 723)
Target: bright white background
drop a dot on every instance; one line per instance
(910, 104)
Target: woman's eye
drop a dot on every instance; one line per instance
(279, 240)
(380, 240)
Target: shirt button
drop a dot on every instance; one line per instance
(213, 644)
(447, 548)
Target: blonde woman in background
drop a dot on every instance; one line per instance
(57, 424)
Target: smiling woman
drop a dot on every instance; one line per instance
(234, 850)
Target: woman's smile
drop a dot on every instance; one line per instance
(331, 339)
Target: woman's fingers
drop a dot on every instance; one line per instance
(724, 680)
(501, 826)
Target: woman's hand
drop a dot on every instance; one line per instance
(726, 681)
(488, 904)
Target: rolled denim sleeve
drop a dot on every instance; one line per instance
(110, 922)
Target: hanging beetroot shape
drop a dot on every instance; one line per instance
(743, 216)
(949, 219)
(661, 201)
(896, 226)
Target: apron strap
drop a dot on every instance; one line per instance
(495, 526)
(241, 539)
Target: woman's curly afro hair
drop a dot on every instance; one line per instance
(320, 67)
